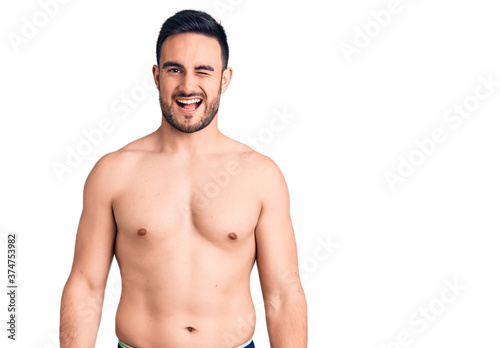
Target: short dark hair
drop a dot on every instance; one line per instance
(191, 21)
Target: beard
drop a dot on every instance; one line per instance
(211, 109)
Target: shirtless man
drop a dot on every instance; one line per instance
(186, 211)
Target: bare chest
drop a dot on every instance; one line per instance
(173, 204)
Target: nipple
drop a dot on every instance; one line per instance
(232, 236)
(142, 231)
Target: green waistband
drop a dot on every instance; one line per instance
(124, 345)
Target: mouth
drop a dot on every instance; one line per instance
(189, 105)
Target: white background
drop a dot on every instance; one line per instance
(395, 250)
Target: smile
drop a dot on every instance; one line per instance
(188, 105)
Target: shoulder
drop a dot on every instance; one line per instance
(104, 174)
(147, 143)
(250, 159)
(267, 178)
(126, 156)
(271, 180)
(113, 167)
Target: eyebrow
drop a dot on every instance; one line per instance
(170, 63)
(204, 67)
(178, 65)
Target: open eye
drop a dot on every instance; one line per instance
(174, 70)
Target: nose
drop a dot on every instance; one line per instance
(188, 83)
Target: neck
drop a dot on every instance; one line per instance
(174, 141)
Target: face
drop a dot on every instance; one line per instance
(190, 80)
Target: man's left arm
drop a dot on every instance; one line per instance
(284, 299)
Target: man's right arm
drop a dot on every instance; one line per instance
(83, 294)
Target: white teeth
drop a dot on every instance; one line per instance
(191, 101)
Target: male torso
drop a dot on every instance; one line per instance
(185, 244)
(186, 211)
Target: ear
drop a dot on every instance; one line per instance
(226, 78)
(156, 76)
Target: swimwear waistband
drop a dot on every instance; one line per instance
(124, 345)
(247, 344)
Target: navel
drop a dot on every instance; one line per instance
(142, 231)
(232, 236)
(190, 329)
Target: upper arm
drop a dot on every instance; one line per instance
(97, 229)
(276, 248)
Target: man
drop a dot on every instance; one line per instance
(187, 211)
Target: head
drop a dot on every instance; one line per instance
(191, 71)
